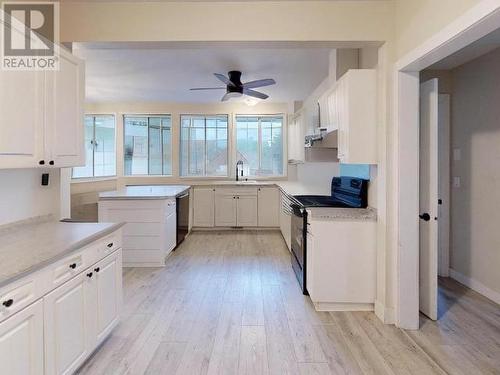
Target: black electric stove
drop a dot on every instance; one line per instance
(347, 192)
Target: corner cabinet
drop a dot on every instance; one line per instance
(352, 106)
(41, 116)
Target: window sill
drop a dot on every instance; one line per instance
(93, 179)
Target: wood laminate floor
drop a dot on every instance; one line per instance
(229, 303)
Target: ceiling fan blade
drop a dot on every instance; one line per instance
(259, 83)
(224, 79)
(255, 94)
(207, 88)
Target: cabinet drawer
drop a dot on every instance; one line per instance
(15, 297)
(108, 245)
(67, 268)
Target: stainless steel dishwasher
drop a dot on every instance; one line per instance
(182, 217)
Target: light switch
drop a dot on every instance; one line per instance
(456, 182)
(457, 154)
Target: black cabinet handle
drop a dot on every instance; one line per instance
(425, 216)
(110, 244)
(51, 162)
(41, 162)
(8, 303)
(97, 269)
(89, 274)
(72, 266)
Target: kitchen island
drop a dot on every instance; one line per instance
(150, 214)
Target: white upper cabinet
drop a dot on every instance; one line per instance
(41, 116)
(353, 106)
(296, 134)
(65, 113)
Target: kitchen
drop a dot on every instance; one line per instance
(180, 199)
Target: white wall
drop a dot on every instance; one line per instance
(475, 129)
(22, 196)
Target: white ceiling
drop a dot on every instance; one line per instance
(474, 50)
(129, 73)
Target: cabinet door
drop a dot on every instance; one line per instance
(171, 232)
(247, 211)
(268, 207)
(108, 284)
(65, 90)
(67, 325)
(203, 207)
(21, 118)
(225, 210)
(21, 342)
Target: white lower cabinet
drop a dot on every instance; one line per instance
(67, 325)
(203, 206)
(225, 210)
(246, 211)
(236, 208)
(21, 342)
(268, 206)
(286, 220)
(171, 237)
(79, 315)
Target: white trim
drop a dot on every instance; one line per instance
(343, 306)
(479, 21)
(83, 180)
(385, 314)
(475, 285)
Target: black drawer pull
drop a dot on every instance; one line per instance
(89, 274)
(97, 269)
(8, 303)
(110, 244)
(51, 162)
(72, 266)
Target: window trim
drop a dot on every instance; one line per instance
(151, 115)
(94, 177)
(228, 153)
(284, 142)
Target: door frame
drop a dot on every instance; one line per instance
(479, 21)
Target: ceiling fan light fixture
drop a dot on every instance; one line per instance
(251, 101)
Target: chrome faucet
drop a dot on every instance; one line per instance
(240, 162)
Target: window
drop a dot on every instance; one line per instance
(148, 145)
(259, 144)
(100, 151)
(203, 149)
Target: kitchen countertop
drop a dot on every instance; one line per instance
(334, 213)
(145, 192)
(29, 246)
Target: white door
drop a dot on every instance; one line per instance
(247, 211)
(21, 119)
(203, 207)
(67, 325)
(428, 198)
(225, 210)
(268, 207)
(21, 342)
(108, 281)
(66, 90)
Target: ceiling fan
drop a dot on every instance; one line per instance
(234, 88)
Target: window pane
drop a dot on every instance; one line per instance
(87, 170)
(104, 148)
(155, 152)
(167, 145)
(259, 144)
(203, 145)
(136, 145)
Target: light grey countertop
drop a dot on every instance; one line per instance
(334, 213)
(145, 192)
(29, 246)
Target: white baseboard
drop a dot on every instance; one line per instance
(475, 285)
(336, 306)
(385, 314)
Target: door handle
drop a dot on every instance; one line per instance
(425, 216)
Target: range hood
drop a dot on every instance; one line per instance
(321, 147)
(322, 140)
